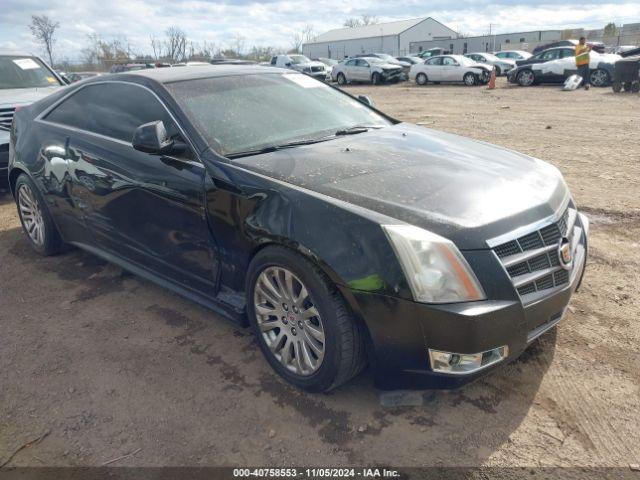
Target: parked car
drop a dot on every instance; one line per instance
(432, 52)
(330, 63)
(385, 57)
(450, 68)
(411, 60)
(557, 64)
(512, 54)
(366, 69)
(338, 233)
(231, 61)
(24, 78)
(302, 64)
(502, 66)
(77, 76)
(595, 46)
(130, 67)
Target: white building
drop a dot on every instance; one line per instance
(393, 38)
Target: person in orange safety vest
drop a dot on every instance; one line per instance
(582, 61)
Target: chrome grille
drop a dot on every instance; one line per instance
(6, 117)
(531, 260)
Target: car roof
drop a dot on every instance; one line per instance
(170, 75)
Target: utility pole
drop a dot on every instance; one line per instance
(492, 40)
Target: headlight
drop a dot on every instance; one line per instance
(435, 269)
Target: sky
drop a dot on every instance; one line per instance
(275, 22)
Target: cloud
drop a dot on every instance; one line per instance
(274, 22)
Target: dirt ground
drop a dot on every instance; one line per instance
(107, 364)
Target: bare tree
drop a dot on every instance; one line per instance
(43, 30)
(309, 34)
(364, 19)
(176, 44)
(237, 44)
(156, 46)
(296, 42)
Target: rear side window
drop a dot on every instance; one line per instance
(434, 61)
(111, 109)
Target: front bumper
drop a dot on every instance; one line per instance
(402, 332)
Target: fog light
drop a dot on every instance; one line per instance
(465, 363)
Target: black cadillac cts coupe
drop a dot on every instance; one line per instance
(342, 236)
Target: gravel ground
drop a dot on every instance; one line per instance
(105, 364)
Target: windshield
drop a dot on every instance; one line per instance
(25, 72)
(241, 113)
(490, 57)
(299, 59)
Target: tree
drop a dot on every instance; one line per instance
(238, 44)
(296, 42)
(43, 30)
(176, 44)
(156, 46)
(610, 30)
(365, 19)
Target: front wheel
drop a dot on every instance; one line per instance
(36, 221)
(376, 78)
(599, 78)
(526, 78)
(469, 79)
(302, 324)
(421, 79)
(342, 80)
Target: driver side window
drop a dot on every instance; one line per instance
(113, 110)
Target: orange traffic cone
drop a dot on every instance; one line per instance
(492, 80)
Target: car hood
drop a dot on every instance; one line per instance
(465, 190)
(310, 64)
(24, 96)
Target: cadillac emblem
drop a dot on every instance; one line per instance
(564, 253)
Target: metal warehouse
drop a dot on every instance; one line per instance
(393, 38)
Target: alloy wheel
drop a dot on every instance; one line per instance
(421, 79)
(469, 79)
(526, 78)
(599, 78)
(289, 322)
(31, 215)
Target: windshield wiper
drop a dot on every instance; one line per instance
(274, 148)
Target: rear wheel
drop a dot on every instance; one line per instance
(617, 86)
(302, 324)
(599, 78)
(498, 71)
(627, 86)
(469, 79)
(525, 78)
(635, 87)
(342, 80)
(421, 79)
(36, 221)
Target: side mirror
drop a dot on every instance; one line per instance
(288, 64)
(366, 100)
(152, 138)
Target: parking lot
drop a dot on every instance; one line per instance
(98, 364)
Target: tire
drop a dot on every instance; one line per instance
(526, 78)
(376, 79)
(617, 87)
(635, 87)
(498, 71)
(599, 78)
(422, 79)
(342, 80)
(627, 86)
(36, 220)
(342, 353)
(469, 79)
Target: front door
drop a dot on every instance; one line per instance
(144, 208)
